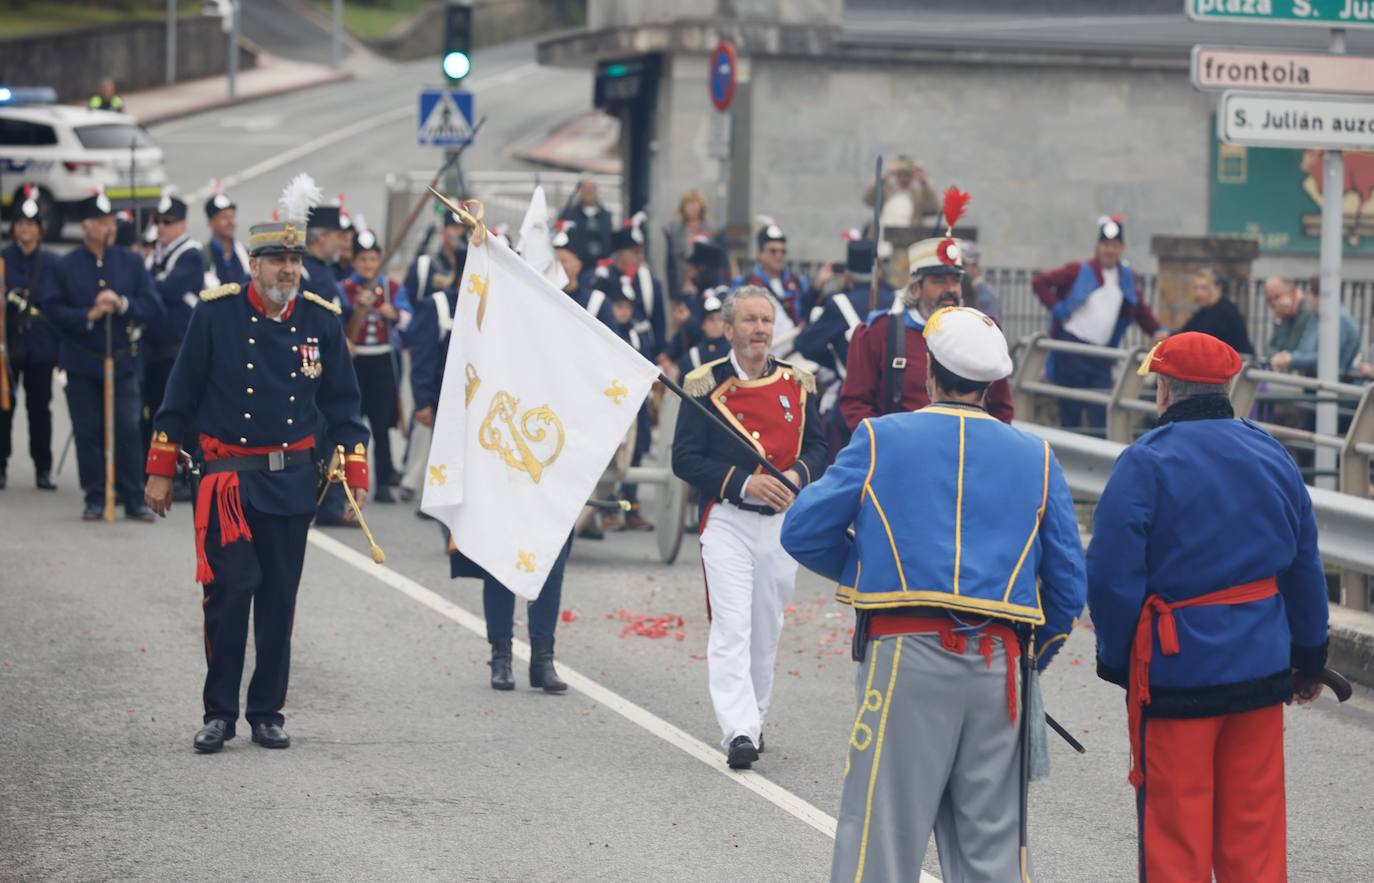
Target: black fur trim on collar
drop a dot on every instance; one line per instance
(1199, 408)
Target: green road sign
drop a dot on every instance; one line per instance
(1314, 13)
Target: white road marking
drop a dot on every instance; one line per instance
(343, 134)
(644, 719)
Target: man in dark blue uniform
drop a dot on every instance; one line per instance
(711, 344)
(443, 269)
(228, 257)
(650, 305)
(261, 371)
(98, 293)
(31, 342)
(321, 252)
(629, 325)
(178, 267)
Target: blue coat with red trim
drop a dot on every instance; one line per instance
(952, 509)
(1203, 503)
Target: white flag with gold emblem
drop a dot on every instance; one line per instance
(537, 396)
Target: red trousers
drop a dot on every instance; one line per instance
(1213, 800)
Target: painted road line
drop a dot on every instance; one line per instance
(771, 791)
(372, 121)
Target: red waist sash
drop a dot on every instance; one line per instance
(884, 624)
(222, 488)
(1156, 608)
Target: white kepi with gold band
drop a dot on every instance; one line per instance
(537, 396)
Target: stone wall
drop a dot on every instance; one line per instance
(134, 54)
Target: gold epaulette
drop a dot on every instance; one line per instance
(221, 291)
(321, 302)
(804, 377)
(700, 381)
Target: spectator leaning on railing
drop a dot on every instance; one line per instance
(1302, 358)
(1216, 314)
(1092, 302)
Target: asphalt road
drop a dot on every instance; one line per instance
(404, 764)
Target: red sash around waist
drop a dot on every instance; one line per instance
(222, 488)
(1156, 608)
(885, 624)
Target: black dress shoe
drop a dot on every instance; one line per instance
(271, 736)
(139, 512)
(742, 753)
(213, 735)
(93, 512)
(383, 494)
(44, 482)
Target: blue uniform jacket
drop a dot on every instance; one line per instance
(179, 278)
(78, 277)
(239, 378)
(317, 276)
(826, 340)
(1200, 504)
(229, 266)
(32, 338)
(952, 509)
(428, 341)
(440, 274)
(797, 298)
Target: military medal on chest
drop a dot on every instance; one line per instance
(786, 408)
(310, 358)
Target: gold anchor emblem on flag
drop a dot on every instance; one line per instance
(531, 427)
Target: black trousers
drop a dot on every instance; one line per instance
(264, 574)
(155, 374)
(377, 385)
(86, 403)
(36, 381)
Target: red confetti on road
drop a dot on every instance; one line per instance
(643, 625)
(568, 616)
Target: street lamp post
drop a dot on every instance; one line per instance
(233, 68)
(336, 43)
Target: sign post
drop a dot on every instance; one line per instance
(722, 77)
(1329, 329)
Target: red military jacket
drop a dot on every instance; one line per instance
(374, 332)
(776, 414)
(860, 397)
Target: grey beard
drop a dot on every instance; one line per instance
(277, 295)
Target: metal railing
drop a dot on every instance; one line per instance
(1347, 514)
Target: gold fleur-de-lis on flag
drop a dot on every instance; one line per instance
(526, 562)
(438, 475)
(617, 392)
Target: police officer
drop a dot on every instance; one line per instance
(31, 342)
(749, 577)
(99, 294)
(444, 269)
(178, 267)
(228, 257)
(378, 311)
(261, 370)
(950, 559)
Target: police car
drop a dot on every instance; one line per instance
(68, 152)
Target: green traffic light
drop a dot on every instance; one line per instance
(616, 70)
(457, 65)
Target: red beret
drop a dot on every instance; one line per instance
(1193, 357)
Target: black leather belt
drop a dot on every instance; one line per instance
(275, 461)
(755, 507)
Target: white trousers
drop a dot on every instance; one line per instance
(417, 457)
(749, 583)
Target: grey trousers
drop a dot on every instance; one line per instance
(932, 748)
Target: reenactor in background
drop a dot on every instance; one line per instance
(707, 267)
(228, 257)
(348, 230)
(126, 232)
(31, 342)
(322, 249)
(591, 237)
(650, 305)
(94, 284)
(444, 269)
(825, 340)
(178, 267)
(908, 197)
(712, 344)
(263, 370)
(629, 326)
(427, 339)
(378, 311)
(750, 579)
(886, 368)
(791, 293)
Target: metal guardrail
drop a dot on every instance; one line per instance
(1345, 522)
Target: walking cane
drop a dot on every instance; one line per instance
(109, 420)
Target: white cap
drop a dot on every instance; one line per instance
(968, 343)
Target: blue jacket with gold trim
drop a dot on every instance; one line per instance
(953, 509)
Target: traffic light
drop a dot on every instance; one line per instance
(457, 57)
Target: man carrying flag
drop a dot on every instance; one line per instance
(750, 578)
(537, 395)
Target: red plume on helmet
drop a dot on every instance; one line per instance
(956, 201)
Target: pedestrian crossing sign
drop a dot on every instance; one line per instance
(445, 118)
